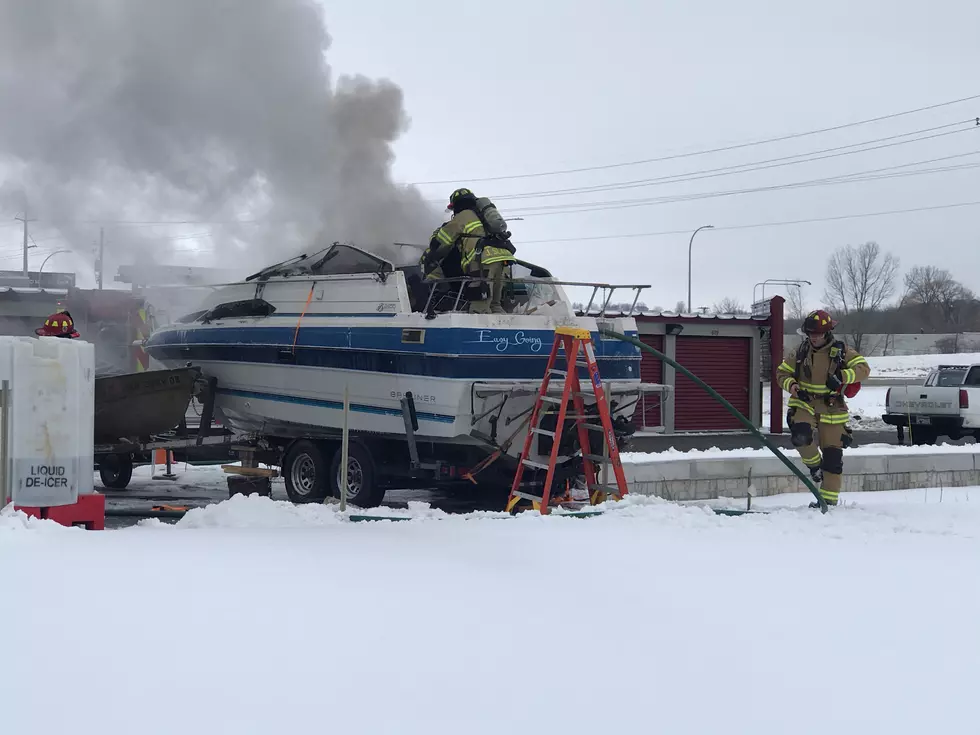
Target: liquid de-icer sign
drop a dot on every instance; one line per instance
(50, 418)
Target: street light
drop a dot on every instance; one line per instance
(776, 282)
(44, 262)
(689, 246)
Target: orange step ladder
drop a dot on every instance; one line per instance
(573, 341)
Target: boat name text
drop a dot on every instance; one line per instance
(505, 342)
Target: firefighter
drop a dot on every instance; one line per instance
(817, 375)
(466, 233)
(59, 324)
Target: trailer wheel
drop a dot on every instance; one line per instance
(304, 469)
(362, 486)
(116, 470)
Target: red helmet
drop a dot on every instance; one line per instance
(818, 322)
(58, 325)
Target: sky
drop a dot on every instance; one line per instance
(494, 95)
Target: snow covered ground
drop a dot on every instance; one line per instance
(917, 366)
(254, 616)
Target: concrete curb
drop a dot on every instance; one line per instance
(707, 479)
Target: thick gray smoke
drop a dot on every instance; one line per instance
(205, 110)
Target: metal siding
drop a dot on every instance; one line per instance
(721, 362)
(651, 371)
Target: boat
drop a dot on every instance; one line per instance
(139, 405)
(288, 342)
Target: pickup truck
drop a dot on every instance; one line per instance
(946, 404)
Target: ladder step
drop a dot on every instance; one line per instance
(556, 371)
(536, 465)
(608, 489)
(536, 430)
(527, 496)
(597, 458)
(593, 427)
(549, 399)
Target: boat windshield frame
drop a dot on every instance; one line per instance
(311, 264)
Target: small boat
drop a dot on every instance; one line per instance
(139, 405)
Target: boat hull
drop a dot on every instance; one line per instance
(138, 405)
(469, 384)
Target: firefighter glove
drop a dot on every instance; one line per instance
(803, 395)
(834, 382)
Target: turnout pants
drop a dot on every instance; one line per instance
(825, 448)
(494, 273)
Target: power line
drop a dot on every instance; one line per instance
(756, 225)
(782, 161)
(722, 149)
(857, 177)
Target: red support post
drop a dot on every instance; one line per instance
(775, 357)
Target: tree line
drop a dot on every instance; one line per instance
(865, 293)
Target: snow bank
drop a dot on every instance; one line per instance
(865, 449)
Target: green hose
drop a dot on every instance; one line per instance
(730, 408)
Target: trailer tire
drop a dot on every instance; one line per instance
(362, 485)
(304, 468)
(116, 470)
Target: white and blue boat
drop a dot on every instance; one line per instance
(285, 343)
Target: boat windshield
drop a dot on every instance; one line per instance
(338, 259)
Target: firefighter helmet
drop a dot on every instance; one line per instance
(818, 322)
(461, 196)
(59, 324)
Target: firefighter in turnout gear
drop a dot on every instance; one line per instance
(818, 375)
(466, 233)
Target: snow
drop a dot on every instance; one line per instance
(255, 616)
(917, 366)
(875, 449)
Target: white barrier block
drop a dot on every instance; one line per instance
(51, 418)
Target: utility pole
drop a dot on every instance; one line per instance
(25, 220)
(101, 254)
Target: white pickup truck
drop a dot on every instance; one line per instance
(946, 404)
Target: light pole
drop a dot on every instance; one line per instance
(689, 246)
(777, 282)
(44, 262)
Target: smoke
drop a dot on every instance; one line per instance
(214, 111)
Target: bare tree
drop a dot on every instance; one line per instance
(859, 281)
(680, 307)
(796, 304)
(937, 290)
(729, 305)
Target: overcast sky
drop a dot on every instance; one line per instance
(519, 88)
(525, 87)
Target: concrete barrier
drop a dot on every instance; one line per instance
(707, 479)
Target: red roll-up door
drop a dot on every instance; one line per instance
(722, 363)
(651, 371)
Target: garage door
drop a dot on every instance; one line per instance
(651, 371)
(721, 362)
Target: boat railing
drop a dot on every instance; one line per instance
(453, 289)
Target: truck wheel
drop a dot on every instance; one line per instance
(116, 470)
(304, 469)
(924, 436)
(362, 486)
